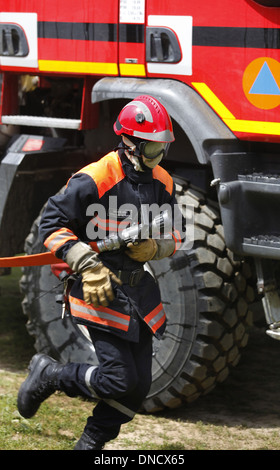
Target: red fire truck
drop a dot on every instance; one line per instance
(67, 69)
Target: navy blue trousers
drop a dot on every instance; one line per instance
(120, 382)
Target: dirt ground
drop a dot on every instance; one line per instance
(243, 413)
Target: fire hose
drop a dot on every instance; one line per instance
(39, 259)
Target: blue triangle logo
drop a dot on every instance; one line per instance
(265, 83)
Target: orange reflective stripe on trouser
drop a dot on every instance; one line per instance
(102, 315)
(57, 239)
(155, 318)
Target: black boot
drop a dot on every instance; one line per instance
(88, 443)
(39, 385)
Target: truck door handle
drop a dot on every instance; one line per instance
(13, 42)
(162, 45)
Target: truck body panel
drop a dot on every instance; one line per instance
(228, 51)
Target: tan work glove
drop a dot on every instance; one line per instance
(151, 249)
(96, 278)
(97, 286)
(143, 251)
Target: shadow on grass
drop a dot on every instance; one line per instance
(249, 397)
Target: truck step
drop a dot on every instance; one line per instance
(40, 121)
(262, 246)
(261, 178)
(264, 240)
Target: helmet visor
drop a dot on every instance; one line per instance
(153, 149)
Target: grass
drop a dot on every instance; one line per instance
(50, 429)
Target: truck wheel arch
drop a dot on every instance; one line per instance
(198, 121)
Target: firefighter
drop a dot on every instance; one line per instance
(114, 296)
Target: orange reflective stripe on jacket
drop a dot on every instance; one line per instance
(109, 225)
(106, 172)
(57, 239)
(160, 174)
(102, 315)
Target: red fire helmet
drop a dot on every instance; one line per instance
(145, 118)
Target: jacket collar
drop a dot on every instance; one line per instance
(138, 177)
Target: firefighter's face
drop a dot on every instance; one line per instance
(151, 153)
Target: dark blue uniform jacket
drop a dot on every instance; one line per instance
(96, 199)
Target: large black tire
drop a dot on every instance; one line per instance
(205, 296)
